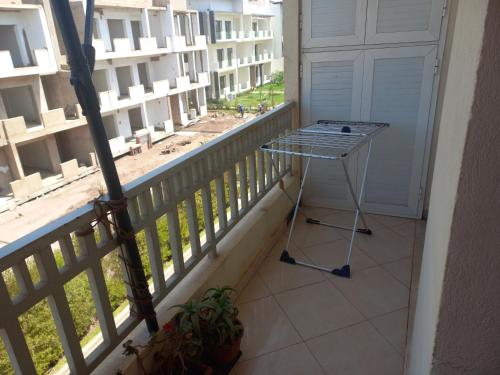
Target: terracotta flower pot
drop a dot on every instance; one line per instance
(226, 353)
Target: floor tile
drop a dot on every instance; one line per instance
(373, 291)
(412, 230)
(255, 289)
(401, 270)
(266, 328)
(384, 245)
(305, 234)
(393, 327)
(293, 360)
(356, 350)
(333, 254)
(318, 309)
(279, 276)
(390, 221)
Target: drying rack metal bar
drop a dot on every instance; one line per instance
(333, 140)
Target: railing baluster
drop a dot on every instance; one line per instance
(61, 312)
(261, 171)
(67, 250)
(208, 217)
(194, 233)
(233, 196)
(269, 171)
(252, 177)
(23, 278)
(98, 287)
(153, 243)
(221, 203)
(13, 335)
(242, 169)
(174, 231)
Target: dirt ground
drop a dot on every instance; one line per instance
(32, 215)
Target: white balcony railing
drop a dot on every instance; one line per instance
(161, 88)
(178, 43)
(203, 79)
(183, 83)
(122, 45)
(200, 41)
(108, 99)
(148, 44)
(150, 197)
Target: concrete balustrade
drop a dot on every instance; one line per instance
(6, 61)
(122, 45)
(161, 88)
(203, 79)
(183, 83)
(99, 46)
(148, 44)
(136, 92)
(27, 186)
(53, 117)
(157, 194)
(108, 99)
(14, 127)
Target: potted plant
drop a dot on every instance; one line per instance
(223, 331)
(189, 322)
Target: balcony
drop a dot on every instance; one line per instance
(43, 64)
(203, 79)
(226, 35)
(83, 254)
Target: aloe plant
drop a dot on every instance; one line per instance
(223, 326)
(189, 322)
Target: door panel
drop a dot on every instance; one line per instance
(332, 89)
(333, 22)
(398, 21)
(397, 89)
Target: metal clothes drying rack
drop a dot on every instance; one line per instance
(332, 140)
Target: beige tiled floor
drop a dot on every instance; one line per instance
(304, 321)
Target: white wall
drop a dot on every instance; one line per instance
(458, 97)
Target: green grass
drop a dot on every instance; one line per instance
(271, 94)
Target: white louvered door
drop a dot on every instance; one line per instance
(398, 21)
(373, 60)
(333, 22)
(332, 88)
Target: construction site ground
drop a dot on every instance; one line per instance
(32, 215)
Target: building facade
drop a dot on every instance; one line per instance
(244, 43)
(151, 72)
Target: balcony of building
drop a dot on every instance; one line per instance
(25, 44)
(422, 298)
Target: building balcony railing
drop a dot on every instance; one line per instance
(161, 88)
(122, 45)
(44, 63)
(152, 197)
(108, 99)
(203, 79)
(148, 44)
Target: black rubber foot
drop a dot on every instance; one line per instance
(286, 258)
(364, 231)
(343, 272)
(312, 221)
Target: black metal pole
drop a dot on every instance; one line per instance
(82, 81)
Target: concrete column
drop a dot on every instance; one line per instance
(456, 329)
(15, 165)
(291, 56)
(145, 23)
(53, 153)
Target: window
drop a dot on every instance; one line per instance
(220, 56)
(222, 83)
(231, 82)
(218, 29)
(229, 56)
(228, 29)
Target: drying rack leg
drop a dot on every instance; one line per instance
(285, 256)
(345, 271)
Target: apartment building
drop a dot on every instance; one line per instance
(151, 68)
(242, 43)
(40, 127)
(151, 72)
